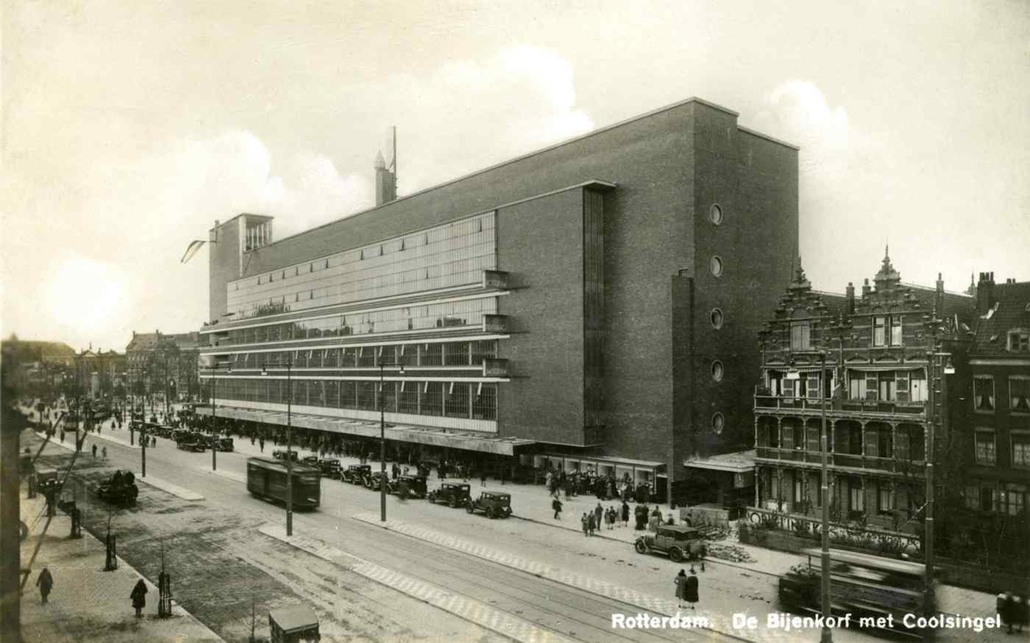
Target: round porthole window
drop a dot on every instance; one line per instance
(715, 214)
(716, 317)
(717, 371)
(715, 266)
(718, 423)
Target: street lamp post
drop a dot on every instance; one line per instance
(143, 427)
(382, 437)
(289, 441)
(214, 415)
(824, 485)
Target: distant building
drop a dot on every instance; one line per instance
(586, 306)
(871, 364)
(164, 365)
(994, 431)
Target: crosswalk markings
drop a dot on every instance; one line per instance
(466, 608)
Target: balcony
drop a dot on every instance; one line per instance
(836, 408)
(495, 323)
(495, 279)
(841, 460)
(495, 367)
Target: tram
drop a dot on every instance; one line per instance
(862, 585)
(266, 478)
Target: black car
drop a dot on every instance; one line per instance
(330, 468)
(356, 473)
(372, 481)
(281, 454)
(412, 486)
(453, 494)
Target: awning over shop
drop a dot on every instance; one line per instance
(738, 462)
(401, 433)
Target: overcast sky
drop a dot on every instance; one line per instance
(130, 126)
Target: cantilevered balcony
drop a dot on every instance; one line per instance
(835, 408)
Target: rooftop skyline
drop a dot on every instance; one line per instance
(128, 129)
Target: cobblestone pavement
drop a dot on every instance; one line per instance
(87, 603)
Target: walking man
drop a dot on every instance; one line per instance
(45, 583)
(104, 453)
(556, 505)
(586, 525)
(598, 512)
(94, 451)
(139, 597)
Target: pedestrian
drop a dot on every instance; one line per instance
(482, 477)
(611, 517)
(692, 586)
(262, 443)
(586, 525)
(45, 583)
(556, 505)
(625, 513)
(62, 435)
(139, 597)
(104, 452)
(681, 588)
(598, 512)
(94, 450)
(591, 523)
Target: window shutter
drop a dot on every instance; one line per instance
(788, 437)
(813, 438)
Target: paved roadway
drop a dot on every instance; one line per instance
(569, 611)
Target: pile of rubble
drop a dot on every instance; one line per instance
(714, 532)
(732, 553)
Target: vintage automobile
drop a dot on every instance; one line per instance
(372, 480)
(413, 486)
(453, 494)
(356, 473)
(224, 444)
(310, 460)
(192, 442)
(678, 542)
(281, 454)
(330, 468)
(293, 624)
(491, 503)
(120, 490)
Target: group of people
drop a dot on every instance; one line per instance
(606, 487)
(1014, 611)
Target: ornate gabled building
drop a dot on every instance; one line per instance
(865, 366)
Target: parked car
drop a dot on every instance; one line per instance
(356, 473)
(330, 468)
(372, 480)
(281, 454)
(225, 444)
(491, 503)
(678, 542)
(310, 460)
(414, 486)
(453, 494)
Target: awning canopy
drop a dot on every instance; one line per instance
(738, 462)
(401, 433)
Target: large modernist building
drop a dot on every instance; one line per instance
(595, 302)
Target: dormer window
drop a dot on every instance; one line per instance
(1019, 341)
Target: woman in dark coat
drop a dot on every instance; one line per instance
(681, 588)
(139, 597)
(691, 588)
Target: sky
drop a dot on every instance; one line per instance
(129, 127)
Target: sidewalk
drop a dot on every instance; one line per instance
(88, 604)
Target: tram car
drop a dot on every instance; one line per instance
(266, 478)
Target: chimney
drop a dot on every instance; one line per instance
(849, 303)
(985, 293)
(386, 177)
(865, 288)
(938, 300)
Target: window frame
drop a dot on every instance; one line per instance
(990, 459)
(1021, 439)
(1022, 404)
(991, 403)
